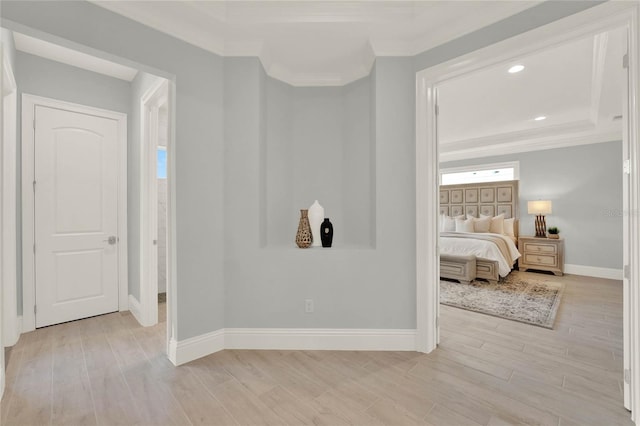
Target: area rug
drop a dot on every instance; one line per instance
(514, 297)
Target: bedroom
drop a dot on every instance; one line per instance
(233, 289)
(558, 157)
(543, 116)
(554, 124)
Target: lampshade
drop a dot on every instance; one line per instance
(539, 207)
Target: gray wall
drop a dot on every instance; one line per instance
(198, 129)
(42, 77)
(227, 273)
(317, 145)
(585, 185)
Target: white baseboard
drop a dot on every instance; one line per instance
(320, 339)
(183, 351)
(11, 338)
(592, 271)
(135, 309)
(2, 380)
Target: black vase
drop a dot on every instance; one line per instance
(326, 233)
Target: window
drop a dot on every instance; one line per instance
(480, 173)
(162, 162)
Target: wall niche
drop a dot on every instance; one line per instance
(318, 143)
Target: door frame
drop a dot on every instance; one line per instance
(29, 102)
(598, 18)
(10, 323)
(150, 103)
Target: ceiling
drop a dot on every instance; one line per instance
(577, 86)
(316, 43)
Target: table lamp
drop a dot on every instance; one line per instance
(540, 208)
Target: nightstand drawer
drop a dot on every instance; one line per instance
(540, 259)
(540, 248)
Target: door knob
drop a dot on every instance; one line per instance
(111, 240)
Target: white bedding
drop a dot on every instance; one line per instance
(482, 248)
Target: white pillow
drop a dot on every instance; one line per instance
(464, 225)
(509, 227)
(448, 224)
(497, 224)
(482, 224)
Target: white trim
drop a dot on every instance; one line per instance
(172, 275)
(10, 332)
(54, 52)
(150, 104)
(134, 308)
(633, 303)
(320, 339)
(593, 271)
(597, 19)
(29, 103)
(181, 352)
(427, 199)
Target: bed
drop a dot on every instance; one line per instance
(480, 252)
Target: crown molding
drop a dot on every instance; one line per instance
(533, 144)
(573, 127)
(213, 26)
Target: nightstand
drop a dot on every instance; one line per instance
(542, 254)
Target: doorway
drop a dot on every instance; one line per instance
(592, 21)
(74, 196)
(155, 195)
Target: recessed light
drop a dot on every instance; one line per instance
(516, 68)
(540, 118)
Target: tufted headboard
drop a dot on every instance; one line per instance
(487, 198)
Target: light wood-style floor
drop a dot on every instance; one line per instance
(488, 371)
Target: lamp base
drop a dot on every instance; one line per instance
(541, 227)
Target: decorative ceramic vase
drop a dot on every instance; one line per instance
(316, 214)
(303, 236)
(326, 231)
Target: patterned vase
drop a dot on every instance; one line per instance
(316, 214)
(326, 230)
(303, 236)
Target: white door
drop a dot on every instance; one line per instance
(76, 215)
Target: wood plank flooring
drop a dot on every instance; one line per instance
(108, 370)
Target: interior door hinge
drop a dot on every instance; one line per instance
(35, 309)
(34, 124)
(437, 109)
(34, 186)
(625, 61)
(437, 321)
(627, 375)
(34, 249)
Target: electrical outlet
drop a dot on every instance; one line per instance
(308, 306)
